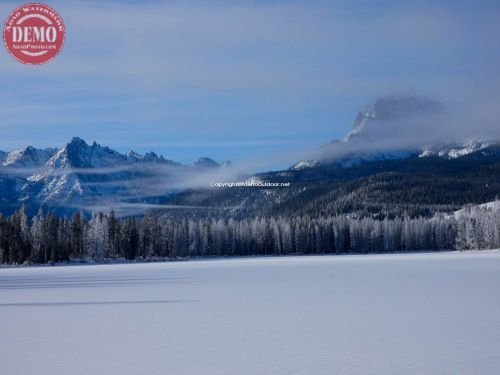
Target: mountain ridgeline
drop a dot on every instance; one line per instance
(389, 165)
(81, 177)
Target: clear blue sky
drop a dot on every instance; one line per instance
(241, 79)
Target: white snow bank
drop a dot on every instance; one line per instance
(377, 314)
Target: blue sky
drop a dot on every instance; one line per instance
(261, 80)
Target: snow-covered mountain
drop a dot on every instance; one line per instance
(389, 129)
(206, 163)
(455, 150)
(80, 174)
(27, 157)
(149, 157)
(389, 116)
(305, 164)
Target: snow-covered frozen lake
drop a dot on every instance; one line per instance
(380, 314)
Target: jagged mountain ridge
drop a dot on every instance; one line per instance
(26, 157)
(81, 174)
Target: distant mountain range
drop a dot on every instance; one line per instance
(81, 176)
(384, 165)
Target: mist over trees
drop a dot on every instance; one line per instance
(46, 238)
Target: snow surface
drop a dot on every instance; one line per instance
(492, 206)
(466, 148)
(309, 163)
(27, 157)
(380, 314)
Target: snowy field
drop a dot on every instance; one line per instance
(380, 314)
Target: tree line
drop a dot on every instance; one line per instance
(47, 238)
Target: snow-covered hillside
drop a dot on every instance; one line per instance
(493, 206)
(382, 314)
(453, 151)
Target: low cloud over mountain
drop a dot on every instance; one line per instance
(400, 126)
(80, 175)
